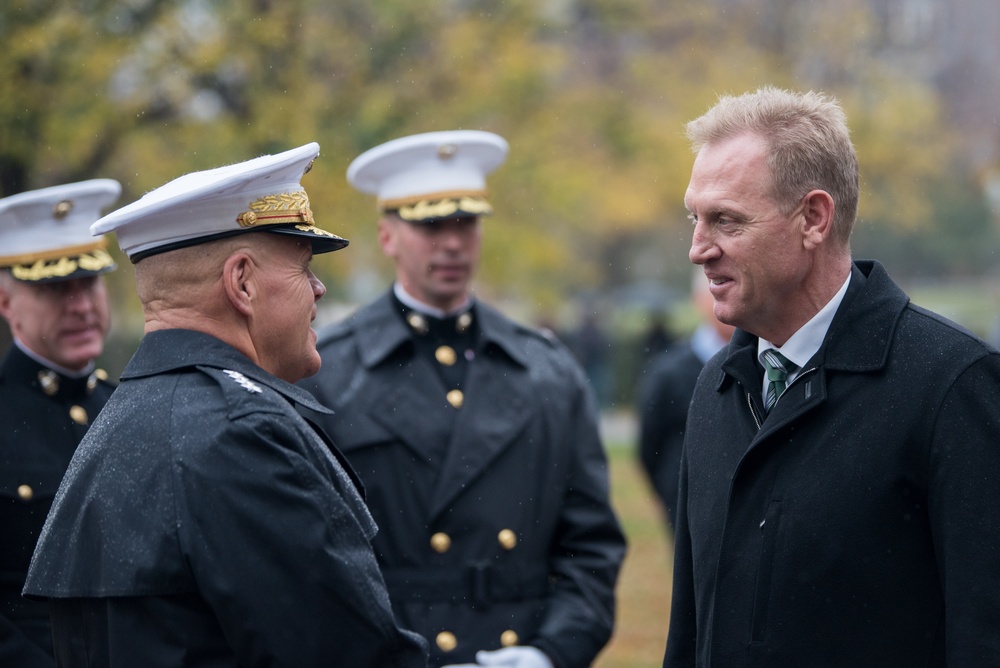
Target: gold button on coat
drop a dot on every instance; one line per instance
(24, 492)
(508, 539)
(445, 355)
(456, 398)
(508, 638)
(440, 542)
(446, 641)
(78, 414)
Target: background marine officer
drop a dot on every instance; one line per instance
(53, 298)
(476, 437)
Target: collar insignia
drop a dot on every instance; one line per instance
(244, 382)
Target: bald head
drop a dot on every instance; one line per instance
(254, 291)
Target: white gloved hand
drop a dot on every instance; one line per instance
(509, 657)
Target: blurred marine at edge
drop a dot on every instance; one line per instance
(53, 297)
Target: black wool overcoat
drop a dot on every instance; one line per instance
(857, 524)
(41, 423)
(516, 479)
(203, 522)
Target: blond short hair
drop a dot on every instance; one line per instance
(808, 146)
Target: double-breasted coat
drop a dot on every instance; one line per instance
(856, 524)
(43, 415)
(204, 522)
(494, 516)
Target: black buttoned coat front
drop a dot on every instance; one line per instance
(857, 524)
(522, 454)
(38, 435)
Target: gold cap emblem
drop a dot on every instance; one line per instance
(62, 209)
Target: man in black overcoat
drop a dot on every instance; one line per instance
(841, 471)
(53, 297)
(203, 521)
(665, 394)
(476, 437)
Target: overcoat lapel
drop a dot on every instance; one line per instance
(488, 423)
(414, 409)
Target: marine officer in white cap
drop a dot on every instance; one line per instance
(53, 297)
(475, 436)
(204, 522)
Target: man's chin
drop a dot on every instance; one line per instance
(78, 357)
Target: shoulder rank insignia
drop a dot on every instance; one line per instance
(244, 382)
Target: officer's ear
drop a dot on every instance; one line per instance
(5, 297)
(388, 226)
(238, 280)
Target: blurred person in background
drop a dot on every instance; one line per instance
(665, 394)
(53, 297)
(839, 479)
(476, 437)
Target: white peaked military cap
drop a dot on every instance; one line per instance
(45, 234)
(263, 194)
(430, 176)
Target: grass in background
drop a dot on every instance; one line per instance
(645, 581)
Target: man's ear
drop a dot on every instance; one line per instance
(387, 235)
(817, 215)
(4, 302)
(238, 274)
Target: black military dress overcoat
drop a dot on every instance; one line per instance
(495, 522)
(203, 522)
(858, 523)
(43, 416)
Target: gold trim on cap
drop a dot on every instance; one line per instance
(278, 209)
(425, 209)
(53, 253)
(64, 266)
(409, 200)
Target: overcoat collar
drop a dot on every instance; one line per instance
(858, 340)
(381, 331)
(169, 350)
(496, 409)
(20, 369)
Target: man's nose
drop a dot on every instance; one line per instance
(703, 246)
